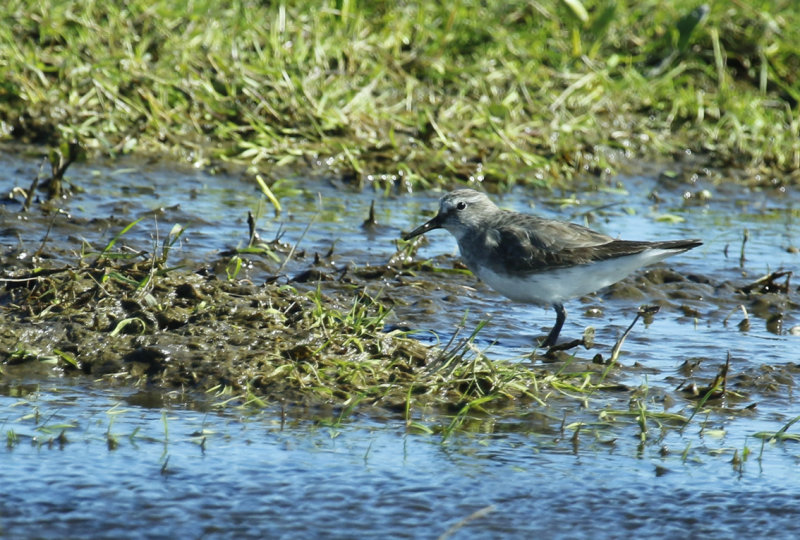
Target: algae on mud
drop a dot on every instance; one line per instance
(317, 339)
(189, 329)
(130, 317)
(315, 329)
(419, 94)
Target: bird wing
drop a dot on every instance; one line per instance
(555, 235)
(521, 243)
(524, 243)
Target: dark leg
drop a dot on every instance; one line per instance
(561, 316)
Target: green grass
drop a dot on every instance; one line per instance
(257, 346)
(384, 92)
(320, 349)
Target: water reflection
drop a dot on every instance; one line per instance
(241, 475)
(140, 460)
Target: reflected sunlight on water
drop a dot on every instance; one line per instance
(230, 474)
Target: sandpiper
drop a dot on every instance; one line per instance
(541, 261)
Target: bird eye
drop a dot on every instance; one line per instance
(461, 205)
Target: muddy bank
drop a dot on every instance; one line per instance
(181, 280)
(320, 335)
(191, 329)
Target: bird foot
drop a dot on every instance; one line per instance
(566, 345)
(555, 348)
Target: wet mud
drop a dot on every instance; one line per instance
(274, 321)
(320, 335)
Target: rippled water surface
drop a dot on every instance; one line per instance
(180, 471)
(133, 464)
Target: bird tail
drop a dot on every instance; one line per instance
(678, 245)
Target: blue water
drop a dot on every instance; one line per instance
(230, 472)
(233, 474)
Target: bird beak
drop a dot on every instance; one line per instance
(435, 223)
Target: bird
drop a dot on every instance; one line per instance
(534, 260)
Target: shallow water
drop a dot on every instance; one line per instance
(180, 471)
(300, 476)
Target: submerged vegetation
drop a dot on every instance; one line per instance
(320, 339)
(131, 292)
(407, 96)
(417, 93)
(126, 315)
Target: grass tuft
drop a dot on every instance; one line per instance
(417, 94)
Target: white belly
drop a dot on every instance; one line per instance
(560, 284)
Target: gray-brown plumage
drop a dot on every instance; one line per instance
(540, 261)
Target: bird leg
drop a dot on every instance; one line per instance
(561, 316)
